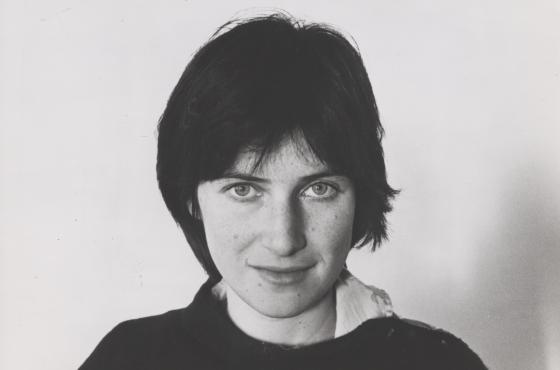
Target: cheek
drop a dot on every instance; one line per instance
(221, 231)
(227, 236)
(331, 230)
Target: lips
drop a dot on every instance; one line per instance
(283, 269)
(283, 275)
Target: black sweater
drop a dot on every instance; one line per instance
(201, 336)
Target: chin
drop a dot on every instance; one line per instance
(280, 310)
(288, 304)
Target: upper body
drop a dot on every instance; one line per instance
(270, 160)
(202, 336)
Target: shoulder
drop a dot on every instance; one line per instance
(147, 331)
(421, 346)
(135, 342)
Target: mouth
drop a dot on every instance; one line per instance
(283, 275)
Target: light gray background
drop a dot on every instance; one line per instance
(469, 96)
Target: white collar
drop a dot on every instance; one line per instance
(356, 302)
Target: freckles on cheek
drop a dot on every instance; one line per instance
(229, 233)
(333, 228)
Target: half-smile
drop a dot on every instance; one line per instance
(282, 276)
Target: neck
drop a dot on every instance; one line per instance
(314, 325)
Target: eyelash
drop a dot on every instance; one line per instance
(230, 189)
(332, 188)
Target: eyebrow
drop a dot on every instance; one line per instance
(252, 178)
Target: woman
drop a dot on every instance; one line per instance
(270, 160)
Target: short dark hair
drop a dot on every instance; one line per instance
(255, 82)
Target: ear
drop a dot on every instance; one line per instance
(190, 208)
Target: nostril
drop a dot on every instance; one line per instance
(286, 242)
(286, 245)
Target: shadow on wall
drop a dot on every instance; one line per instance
(517, 277)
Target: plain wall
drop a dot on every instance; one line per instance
(469, 96)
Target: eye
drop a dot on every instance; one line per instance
(320, 190)
(243, 192)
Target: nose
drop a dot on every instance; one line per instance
(284, 228)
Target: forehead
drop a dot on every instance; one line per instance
(290, 155)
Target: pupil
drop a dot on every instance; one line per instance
(241, 190)
(319, 189)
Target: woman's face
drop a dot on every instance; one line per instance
(279, 236)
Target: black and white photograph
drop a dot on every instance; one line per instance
(211, 185)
